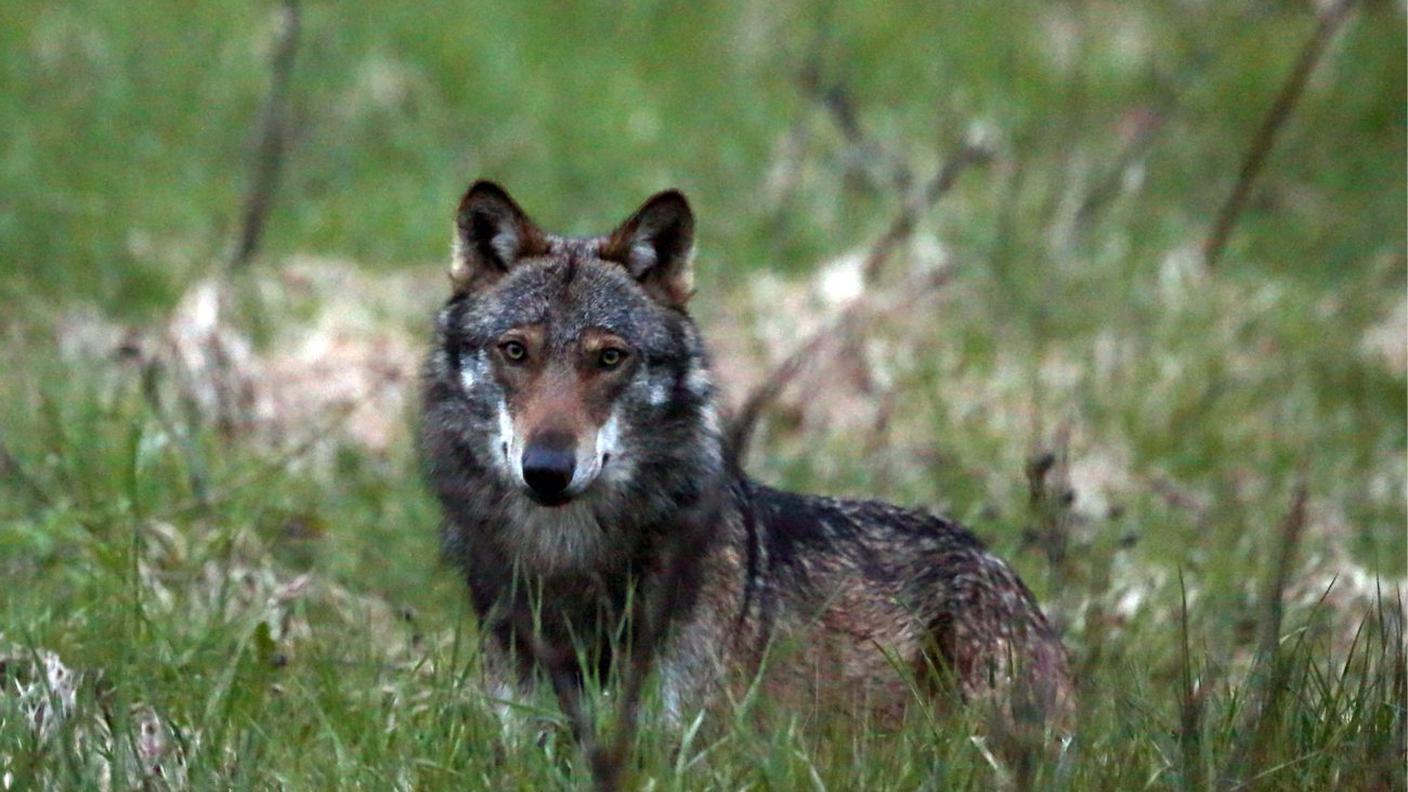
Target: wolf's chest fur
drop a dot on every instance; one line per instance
(571, 433)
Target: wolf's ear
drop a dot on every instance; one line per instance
(491, 235)
(656, 245)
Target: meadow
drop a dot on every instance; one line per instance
(218, 561)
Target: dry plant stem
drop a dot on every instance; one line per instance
(1268, 694)
(195, 468)
(902, 226)
(273, 136)
(866, 156)
(1190, 710)
(1049, 492)
(1329, 22)
(761, 396)
(1108, 188)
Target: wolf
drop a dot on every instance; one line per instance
(571, 430)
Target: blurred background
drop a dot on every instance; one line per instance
(1003, 237)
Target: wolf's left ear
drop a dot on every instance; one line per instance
(656, 245)
(491, 235)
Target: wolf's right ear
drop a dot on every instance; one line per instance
(491, 235)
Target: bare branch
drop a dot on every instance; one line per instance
(1329, 22)
(848, 321)
(902, 226)
(1148, 124)
(273, 135)
(865, 158)
(899, 230)
(1292, 527)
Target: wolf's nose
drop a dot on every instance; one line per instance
(548, 471)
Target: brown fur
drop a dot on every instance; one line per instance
(822, 605)
(572, 397)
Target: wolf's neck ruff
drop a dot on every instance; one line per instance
(571, 435)
(550, 541)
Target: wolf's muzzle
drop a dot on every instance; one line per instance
(547, 470)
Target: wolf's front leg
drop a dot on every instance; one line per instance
(689, 680)
(701, 655)
(526, 710)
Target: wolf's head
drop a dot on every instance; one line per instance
(567, 376)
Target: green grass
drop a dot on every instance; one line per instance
(296, 632)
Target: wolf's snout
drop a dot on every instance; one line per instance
(547, 470)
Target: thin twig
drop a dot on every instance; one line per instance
(902, 226)
(851, 317)
(1050, 496)
(1254, 732)
(865, 155)
(1329, 22)
(195, 467)
(1147, 125)
(1190, 709)
(273, 135)
(762, 395)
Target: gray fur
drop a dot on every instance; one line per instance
(834, 592)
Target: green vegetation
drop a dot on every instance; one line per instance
(271, 606)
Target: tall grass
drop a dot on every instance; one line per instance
(262, 608)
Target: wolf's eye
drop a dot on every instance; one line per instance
(513, 351)
(610, 357)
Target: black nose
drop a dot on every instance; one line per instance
(548, 471)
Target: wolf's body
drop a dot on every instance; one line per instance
(572, 435)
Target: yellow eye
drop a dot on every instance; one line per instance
(611, 357)
(514, 351)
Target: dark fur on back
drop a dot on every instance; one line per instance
(826, 595)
